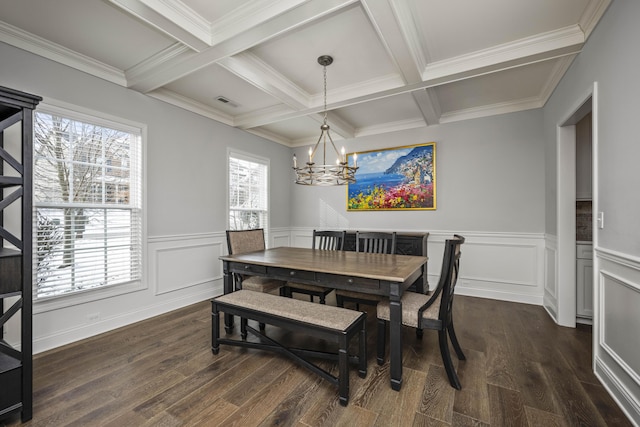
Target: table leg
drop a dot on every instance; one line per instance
(228, 288)
(395, 337)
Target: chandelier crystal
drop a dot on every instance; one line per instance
(339, 173)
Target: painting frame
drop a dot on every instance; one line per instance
(393, 179)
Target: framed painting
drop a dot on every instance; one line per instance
(400, 178)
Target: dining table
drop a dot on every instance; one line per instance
(379, 274)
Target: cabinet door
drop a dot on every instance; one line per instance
(584, 291)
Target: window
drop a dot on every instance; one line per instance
(248, 192)
(87, 203)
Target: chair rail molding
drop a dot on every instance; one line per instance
(498, 265)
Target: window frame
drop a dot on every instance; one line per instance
(94, 294)
(242, 155)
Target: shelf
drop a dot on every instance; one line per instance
(10, 181)
(7, 363)
(16, 369)
(11, 267)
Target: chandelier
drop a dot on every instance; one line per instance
(339, 173)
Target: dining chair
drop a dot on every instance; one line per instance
(324, 240)
(431, 311)
(370, 242)
(242, 241)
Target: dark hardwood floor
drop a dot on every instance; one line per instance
(521, 370)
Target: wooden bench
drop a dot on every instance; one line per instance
(326, 322)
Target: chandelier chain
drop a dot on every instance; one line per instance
(325, 94)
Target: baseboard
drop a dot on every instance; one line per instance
(88, 330)
(618, 392)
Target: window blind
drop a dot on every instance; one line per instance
(248, 193)
(87, 203)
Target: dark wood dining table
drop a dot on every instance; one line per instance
(380, 274)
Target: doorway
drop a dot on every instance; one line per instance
(566, 205)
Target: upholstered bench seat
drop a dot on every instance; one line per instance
(327, 322)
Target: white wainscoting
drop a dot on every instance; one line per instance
(503, 266)
(616, 326)
(179, 262)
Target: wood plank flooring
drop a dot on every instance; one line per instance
(521, 370)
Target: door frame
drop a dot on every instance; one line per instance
(566, 207)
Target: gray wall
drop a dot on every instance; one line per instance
(611, 59)
(489, 172)
(185, 195)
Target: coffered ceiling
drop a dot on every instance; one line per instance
(398, 64)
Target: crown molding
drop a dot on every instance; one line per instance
(183, 16)
(592, 14)
(390, 127)
(559, 70)
(194, 34)
(492, 110)
(565, 41)
(253, 70)
(191, 105)
(262, 133)
(38, 46)
(148, 67)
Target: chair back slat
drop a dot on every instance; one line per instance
(448, 279)
(451, 278)
(329, 240)
(376, 242)
(242, 241)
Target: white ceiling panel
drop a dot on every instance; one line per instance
(521, 83)
(92, 28)
(347, 36)
(208, 83)
(398, 64)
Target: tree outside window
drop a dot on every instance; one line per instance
(87, 205)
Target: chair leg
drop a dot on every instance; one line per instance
(454, 342)
(381, 341)
(419, 333)
(243, 328)
(446, 359)
(262, 326)
(339, 301)
(323, 299)
(215, 330)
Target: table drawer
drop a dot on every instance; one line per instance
(250, 268)
(345, 282)
(291, 274)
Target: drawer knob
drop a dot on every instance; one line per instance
(350, 281)
(246, 267)
(292, 273)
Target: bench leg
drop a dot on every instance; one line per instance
(362, 356)
(243, 328)
(215, 328)
(343, 376)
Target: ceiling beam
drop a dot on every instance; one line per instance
(549, 46)
(178, 66)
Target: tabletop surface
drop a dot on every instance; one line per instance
(393, 268)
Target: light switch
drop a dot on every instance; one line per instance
(600, 220)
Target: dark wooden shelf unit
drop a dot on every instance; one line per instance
(16, 366)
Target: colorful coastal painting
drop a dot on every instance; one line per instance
(401, 178)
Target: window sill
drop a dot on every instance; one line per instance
(82, 297)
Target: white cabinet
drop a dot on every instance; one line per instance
(584, 281)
